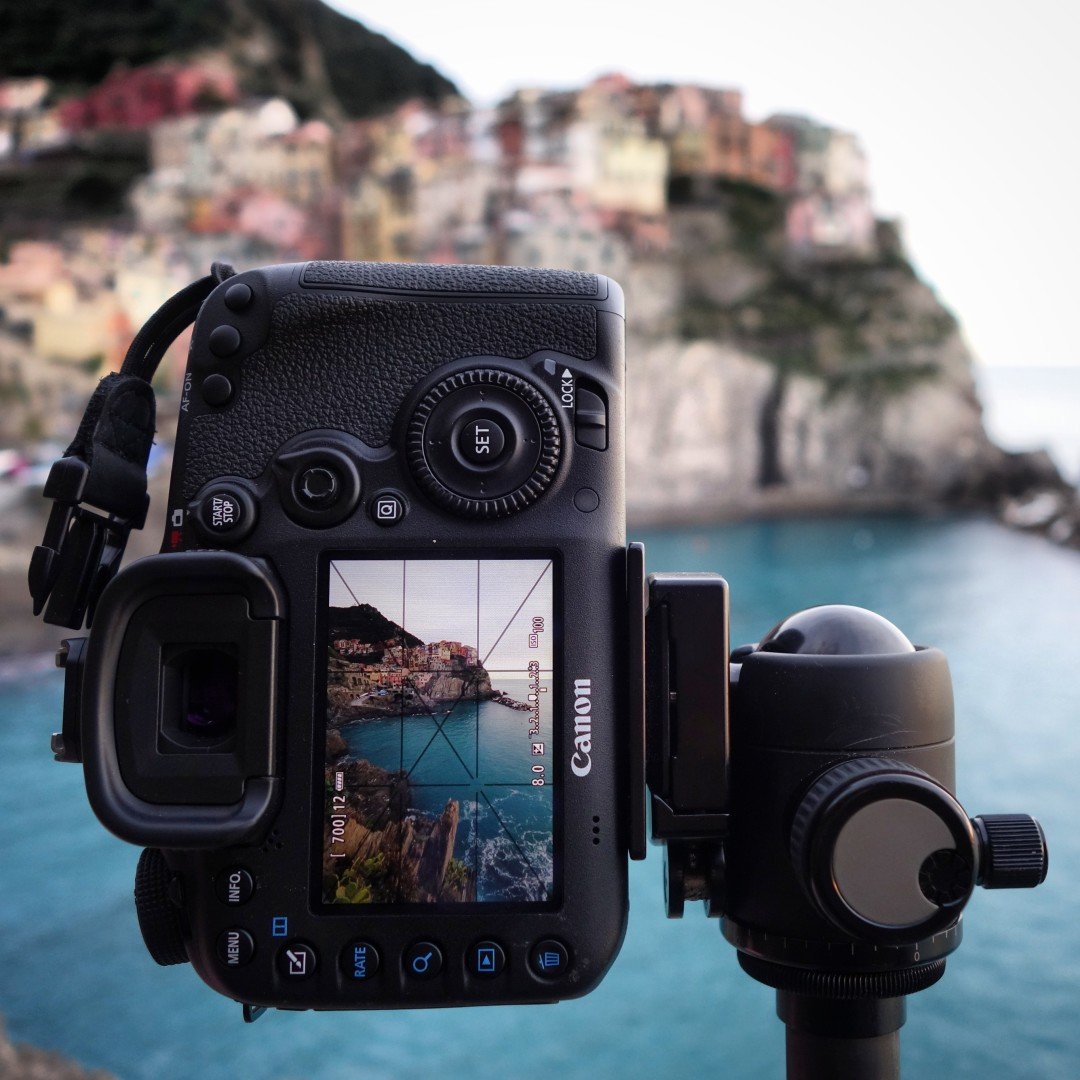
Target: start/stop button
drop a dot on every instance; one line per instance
(223, 512)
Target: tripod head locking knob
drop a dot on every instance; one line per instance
(885, 852)
(1013, 852)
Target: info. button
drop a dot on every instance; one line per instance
(234, 886)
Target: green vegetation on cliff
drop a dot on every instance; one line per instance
(363, 622)
(863, 324)
(323, 61)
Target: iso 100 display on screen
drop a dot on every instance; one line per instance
(439, 720)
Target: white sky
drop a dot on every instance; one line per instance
(966, 109)
(490, 606)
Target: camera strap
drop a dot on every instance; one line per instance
(105, 468)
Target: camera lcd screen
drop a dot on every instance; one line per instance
(439, 725)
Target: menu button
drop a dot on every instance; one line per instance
(235, 947)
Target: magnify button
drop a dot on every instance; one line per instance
(424, 960)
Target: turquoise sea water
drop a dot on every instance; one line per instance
(479, 754)
(74, 975)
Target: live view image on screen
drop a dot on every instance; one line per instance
(439, 706)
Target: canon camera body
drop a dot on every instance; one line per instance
(364, 708)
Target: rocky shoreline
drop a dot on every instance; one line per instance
(357, 714)
(20, 1061)
(383, 850)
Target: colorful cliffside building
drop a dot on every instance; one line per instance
(136, 98)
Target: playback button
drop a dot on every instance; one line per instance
(486, 959)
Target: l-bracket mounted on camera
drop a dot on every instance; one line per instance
(680, 741)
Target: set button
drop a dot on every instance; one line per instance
(481, 440)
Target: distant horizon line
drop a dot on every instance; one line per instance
(1057, 365)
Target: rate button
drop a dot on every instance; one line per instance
(360, 961)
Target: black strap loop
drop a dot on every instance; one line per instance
(169, 321)
(105, 466)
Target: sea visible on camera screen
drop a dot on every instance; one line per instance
(74, 976)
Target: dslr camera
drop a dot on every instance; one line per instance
(396, 701)
(366, 710)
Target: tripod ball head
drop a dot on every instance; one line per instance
(835, 630)
(812, 807)
(846, 835)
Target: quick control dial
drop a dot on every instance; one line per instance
(483, 443)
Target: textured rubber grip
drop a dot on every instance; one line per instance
(433, 278)
(348, 362)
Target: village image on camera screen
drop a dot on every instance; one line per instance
(439, 720)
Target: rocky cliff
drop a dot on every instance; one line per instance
(377, 668)
(387, 853)
(762, 384)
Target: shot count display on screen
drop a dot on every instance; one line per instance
(439, 718)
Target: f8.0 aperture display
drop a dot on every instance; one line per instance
(439, 703)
